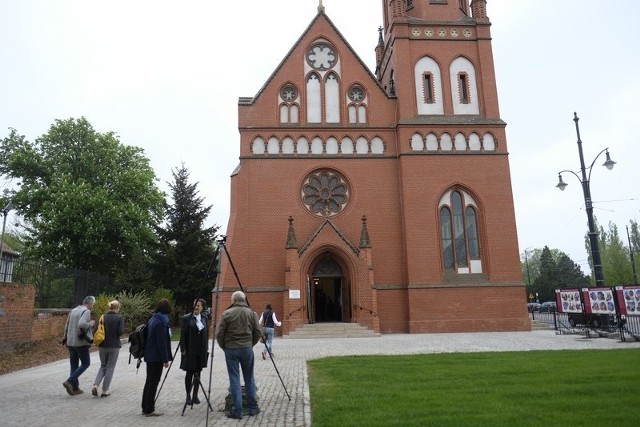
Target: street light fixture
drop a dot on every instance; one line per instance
(5, 211)
(586, 189)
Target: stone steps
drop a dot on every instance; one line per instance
(331, 330)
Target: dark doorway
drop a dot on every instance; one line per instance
(328, 298)
(329, 292)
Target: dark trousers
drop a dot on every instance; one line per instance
(79, 359)
(154, 373)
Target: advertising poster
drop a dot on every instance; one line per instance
(599, 300)
(568, 301)
(629, 299)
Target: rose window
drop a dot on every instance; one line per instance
(325, 193)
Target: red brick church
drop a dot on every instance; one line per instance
(383, 198)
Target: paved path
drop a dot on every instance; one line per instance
(35, 397)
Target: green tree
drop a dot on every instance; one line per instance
(551, 269)
(88, 201)
(616, 265)
(634, 247)
(186, 245)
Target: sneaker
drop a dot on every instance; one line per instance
(154, 414)
(254, 412)
(77, 391)
(195, 400)
(105, 394)
(94, 391)
(69, 387)
(234, 416)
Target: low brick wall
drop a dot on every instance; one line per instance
(20, 323)
(48, 323)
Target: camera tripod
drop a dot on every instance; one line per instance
(217, 258)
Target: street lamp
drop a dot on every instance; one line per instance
(586, 189)
(5, 211)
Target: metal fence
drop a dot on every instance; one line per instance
(56, 286)
(560, 322)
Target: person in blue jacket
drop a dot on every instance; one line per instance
(157, 354)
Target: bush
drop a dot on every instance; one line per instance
(102, 305)
(135, 309)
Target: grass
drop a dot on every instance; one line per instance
(534, 388)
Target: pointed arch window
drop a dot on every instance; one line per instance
(459, 233)
(357, 104)
(428, 86)
(289, 104)
(314, 109)
(332, 98)
(464, 88)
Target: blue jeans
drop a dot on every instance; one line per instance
(269, 332)
(78, 355)
(237, 358)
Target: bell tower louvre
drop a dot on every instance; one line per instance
(380, 198)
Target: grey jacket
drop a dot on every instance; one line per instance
(78, 322)
(239, 327)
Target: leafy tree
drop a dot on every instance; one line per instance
(616, 265)
(551, 269)
(186, 245)
(634, 243)
(88, 201)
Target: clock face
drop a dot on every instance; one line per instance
(428, 32)
(321, 56)
(356, 94)
(416, 32)
(467, 32)
(289, 93)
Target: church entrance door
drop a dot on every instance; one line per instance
(330, 293)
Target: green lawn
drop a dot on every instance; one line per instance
(534, 388)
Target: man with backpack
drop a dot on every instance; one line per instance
(157, 354)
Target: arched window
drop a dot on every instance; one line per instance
(428, 86)
(357, 101)
(289, 106)
(459, 233)
(463, 87)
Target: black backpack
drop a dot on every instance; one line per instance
(137, 341)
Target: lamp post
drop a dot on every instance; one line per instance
(586, 189)
(5, 211)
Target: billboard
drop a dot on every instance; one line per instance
(598, 300)
(629, 300)
(568, 301)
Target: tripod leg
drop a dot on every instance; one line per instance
(206, 397)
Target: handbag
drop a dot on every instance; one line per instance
(98, 337)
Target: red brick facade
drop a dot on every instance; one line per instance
(345, 196)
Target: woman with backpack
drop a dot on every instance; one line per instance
(268, 321)
(109, 349)
(194, 348)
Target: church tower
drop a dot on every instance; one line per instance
(380, 198)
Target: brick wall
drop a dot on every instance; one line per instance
(16, 312)
(19, 322)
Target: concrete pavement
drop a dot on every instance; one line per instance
(36, 397)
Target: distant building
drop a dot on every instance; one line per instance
(7, 261)
(381, 199)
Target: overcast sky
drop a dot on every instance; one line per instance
(166, 76)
